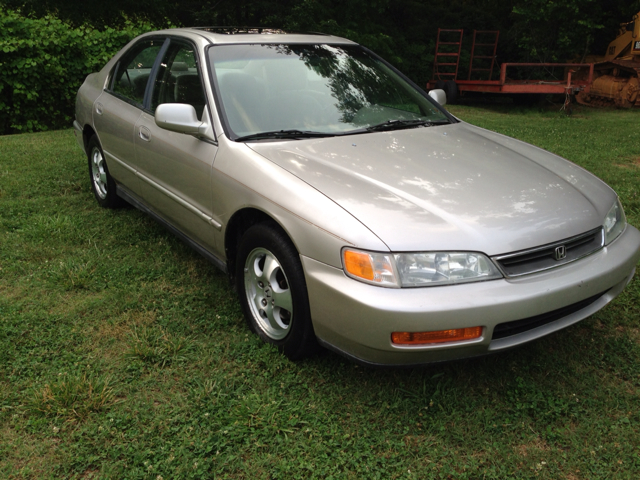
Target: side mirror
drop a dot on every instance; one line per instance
(179, 117)
(439, 96)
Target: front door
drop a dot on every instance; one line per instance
(175, 169)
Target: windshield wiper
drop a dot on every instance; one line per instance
(284, 134)
(400, 124)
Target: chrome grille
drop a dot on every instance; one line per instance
(544, 257)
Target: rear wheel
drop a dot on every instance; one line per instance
(528, 99)
(451, 89)
(102, 185)
(273, 292)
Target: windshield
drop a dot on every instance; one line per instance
(313, 88)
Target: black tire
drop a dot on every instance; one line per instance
(451, 89)
(528, 99)
(439, 84)
(102, 184)
(273, 291)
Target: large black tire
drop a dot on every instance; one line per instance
(528, 99)
(451, 89)
(102, 184)
(439, 84)
(273, 291)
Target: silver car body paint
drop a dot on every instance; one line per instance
(469, 189)
(318, 226)
(447, 187)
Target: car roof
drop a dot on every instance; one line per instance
(235, 35)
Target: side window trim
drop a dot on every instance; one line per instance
(154, 68)
(171, 40)
(112, 76)
(154, 72)
(213, 81)
(201, 71)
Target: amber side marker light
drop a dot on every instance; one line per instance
(439, 336)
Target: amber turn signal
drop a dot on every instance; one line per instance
(439, 336)
(358, 264)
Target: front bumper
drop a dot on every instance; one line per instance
(357, 319)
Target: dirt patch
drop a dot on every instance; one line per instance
(73, 303)
(28, 454)
(118, 328)
(536, 446)
(629, 163)
(634, 335)
(110, 337)
(13, 293)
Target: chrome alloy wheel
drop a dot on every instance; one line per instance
(268, 293)
(99, 173)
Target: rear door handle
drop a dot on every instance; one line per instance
(145, 134)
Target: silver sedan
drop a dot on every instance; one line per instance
(348, 207)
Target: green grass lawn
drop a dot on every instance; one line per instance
(123, 354)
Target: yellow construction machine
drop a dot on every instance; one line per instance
(615, 76)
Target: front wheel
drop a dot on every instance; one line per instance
(273, 291)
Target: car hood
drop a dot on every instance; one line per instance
(450, 187)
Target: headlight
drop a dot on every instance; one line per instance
(443, 268)
(614, 223)
(418, 269)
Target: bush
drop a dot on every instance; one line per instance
(44, 61)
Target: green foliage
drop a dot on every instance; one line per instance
(551, 31)
(394, 30)
(100, 14)
(44, 61)
(47, 47)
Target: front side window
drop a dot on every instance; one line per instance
(132, 72)
(178, 79)
(330, 89)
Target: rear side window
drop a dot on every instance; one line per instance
(131, 74)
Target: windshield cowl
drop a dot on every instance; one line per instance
(299, 135)
(283, 134)
(402, 124)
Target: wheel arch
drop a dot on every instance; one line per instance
(87, 133)
(238, 224)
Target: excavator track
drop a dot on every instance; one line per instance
(616, 84)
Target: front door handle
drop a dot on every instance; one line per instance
(145, 134)
(99, 108)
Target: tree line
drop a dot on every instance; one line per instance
(402, 31)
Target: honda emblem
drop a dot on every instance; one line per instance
(560, 253)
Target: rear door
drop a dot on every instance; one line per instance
(117, 110)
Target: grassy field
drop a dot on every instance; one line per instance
(123, 354)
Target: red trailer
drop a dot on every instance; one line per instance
(447, 60)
